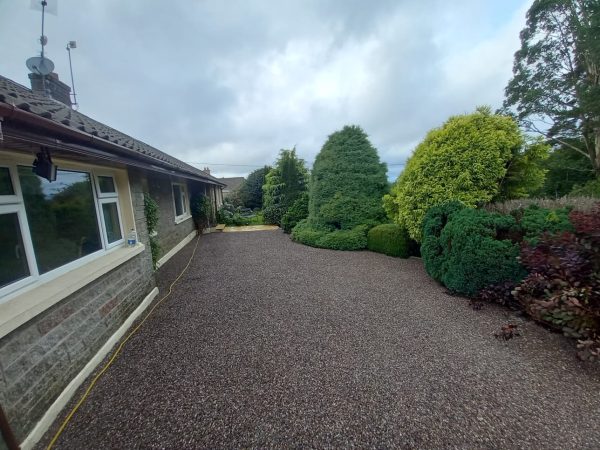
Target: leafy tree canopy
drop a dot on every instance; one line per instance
(347, 182)
(250, 191)
(565, 169)
(472, 159)
(556, 85)
(283, 185)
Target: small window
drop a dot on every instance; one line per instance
(108, 198)
(180, 200)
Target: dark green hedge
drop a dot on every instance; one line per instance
(432, 251)
(535, 221)
(477, 251)
(468, 249)
(389, 239)
(354, 239)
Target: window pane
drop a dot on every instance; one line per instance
(62, 217)
(6, 187)
(111, 222)
(13, 262)
(178, 202)
(107, 185)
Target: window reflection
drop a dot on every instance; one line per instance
(62, 217)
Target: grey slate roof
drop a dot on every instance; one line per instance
(231, 184)
(14, 94)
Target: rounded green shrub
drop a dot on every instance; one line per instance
(390, 239)
(432, 251)
(355, 239)
(475, 252)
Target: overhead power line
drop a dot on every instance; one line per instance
(255, 165)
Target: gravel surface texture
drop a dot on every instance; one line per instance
(266, 343)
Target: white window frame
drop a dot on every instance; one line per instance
(185, 201)
(99, 192)
(15, 204)
(104, 198)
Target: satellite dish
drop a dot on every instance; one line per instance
(40, 65)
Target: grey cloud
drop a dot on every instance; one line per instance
(233, 82)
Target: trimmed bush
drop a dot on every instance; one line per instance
(297, 212)
(476, 254)
(535, 221)
(390, 239)
(432, 251)
(355, 239)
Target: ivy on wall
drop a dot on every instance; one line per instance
(151, 213)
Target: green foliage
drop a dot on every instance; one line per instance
(152, 216)
(283, 185)
(432, 250)
(297, 212)
(390, 239)
(565, 169)
(201, 209)
(589, 189)
(347, 183)
(154, 250)
(563, 287)
(556, 74)
(151, 213)
(251, 189)
(468, 250)
(477, 251)
(535, 221)
(354, 239)
(464, 160)
(232, 215)
(525, 173)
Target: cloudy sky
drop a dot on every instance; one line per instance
(229, 83)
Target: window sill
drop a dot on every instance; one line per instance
(180, 219)
(30, 301)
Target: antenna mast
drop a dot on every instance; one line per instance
(70, 45)
(43, 41)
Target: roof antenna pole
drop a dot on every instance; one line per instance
(43, 41)
(70, 45)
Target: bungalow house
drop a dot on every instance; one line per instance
(71, 191)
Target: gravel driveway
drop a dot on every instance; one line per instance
(267, 343)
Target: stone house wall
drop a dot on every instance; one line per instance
(39, 359)
(169, 233)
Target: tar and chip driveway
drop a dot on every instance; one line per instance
(267, 343)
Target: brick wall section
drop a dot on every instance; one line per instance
(39, 359)
(169, 233)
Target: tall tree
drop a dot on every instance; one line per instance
(347, 182)
(251, 192)
(283, 185)
(555, 90)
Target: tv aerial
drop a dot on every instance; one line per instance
(40, 64)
